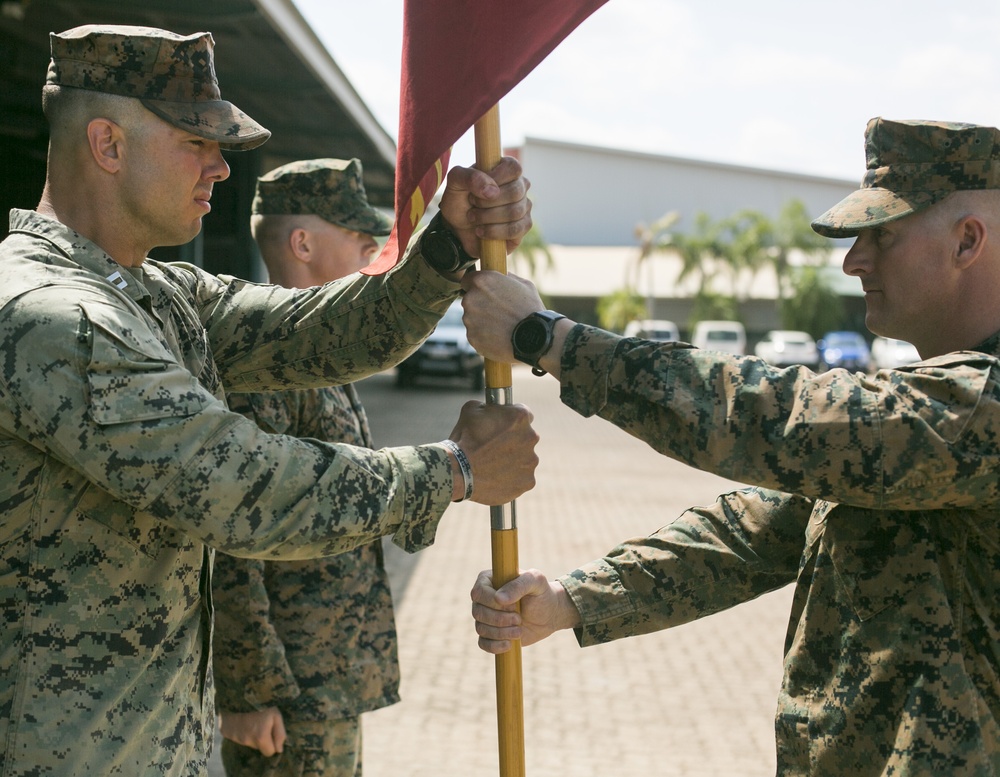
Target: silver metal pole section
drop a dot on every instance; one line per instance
(502, 517)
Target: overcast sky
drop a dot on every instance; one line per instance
(780, 84)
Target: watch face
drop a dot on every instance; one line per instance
(443, 254)
(531, 336)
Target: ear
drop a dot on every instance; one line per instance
(300, 244)
(106, 144)
(972, 232)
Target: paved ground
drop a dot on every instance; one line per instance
(695, 701)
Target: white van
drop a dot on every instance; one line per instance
(653, 329)
(726, 336)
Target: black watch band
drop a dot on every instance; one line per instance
(532, 338)
(442, 249)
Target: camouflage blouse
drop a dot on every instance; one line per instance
(121, 467)
(315, 638)
(877, 496)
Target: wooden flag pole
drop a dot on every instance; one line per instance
(503, 521)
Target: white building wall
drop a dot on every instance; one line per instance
(589, 196)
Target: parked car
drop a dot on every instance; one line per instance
(653, 329)
(844, 349)
(784, 347)
(445, 352)
(726, 336)
(889, 353)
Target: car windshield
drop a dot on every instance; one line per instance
(718, 335)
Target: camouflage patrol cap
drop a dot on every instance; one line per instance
(172, 75)
(329, 188)
(911, 165)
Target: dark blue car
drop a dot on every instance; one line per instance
(844, 349)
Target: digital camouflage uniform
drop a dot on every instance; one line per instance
(121, 467)
(121, 463)
(315, 638)
(878, 496)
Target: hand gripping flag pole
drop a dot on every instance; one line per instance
(459, 59)
(503, 520)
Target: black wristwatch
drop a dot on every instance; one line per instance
(532, 338)
(442, 249)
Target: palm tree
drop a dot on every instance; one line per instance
(528, 252)
(750, 242)
(651, 239)
(615, 310)
(794, 232)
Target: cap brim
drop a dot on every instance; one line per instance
(217, 120)
(871, 207)
(370, 222)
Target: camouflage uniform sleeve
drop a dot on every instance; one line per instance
(251, 672)
(923, 437)
(266, 337)
(120, 409)
(748, 543)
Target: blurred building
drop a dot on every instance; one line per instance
(587, 202)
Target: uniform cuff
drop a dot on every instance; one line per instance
(605, 607)
(429, 483)
(587, 354)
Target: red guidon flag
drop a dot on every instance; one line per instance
(459, 58)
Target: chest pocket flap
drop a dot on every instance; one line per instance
(132, 376)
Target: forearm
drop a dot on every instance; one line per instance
(266, 338)
(826, 436)
(251, 668)
(551, 361)
(709, 559)
(280, 497)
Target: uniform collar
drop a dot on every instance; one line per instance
(81, 251)
(990, 345)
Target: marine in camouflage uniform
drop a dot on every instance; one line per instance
(315, 639)
(878, 496)
(121, 467)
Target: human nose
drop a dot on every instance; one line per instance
(217, 168)
(858, 259)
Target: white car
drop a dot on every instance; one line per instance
(784, 347)
(653, 329)
(725, 336)
(889, 353)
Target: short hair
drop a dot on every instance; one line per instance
(272, 228)
(69, 109)
(271, 233)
